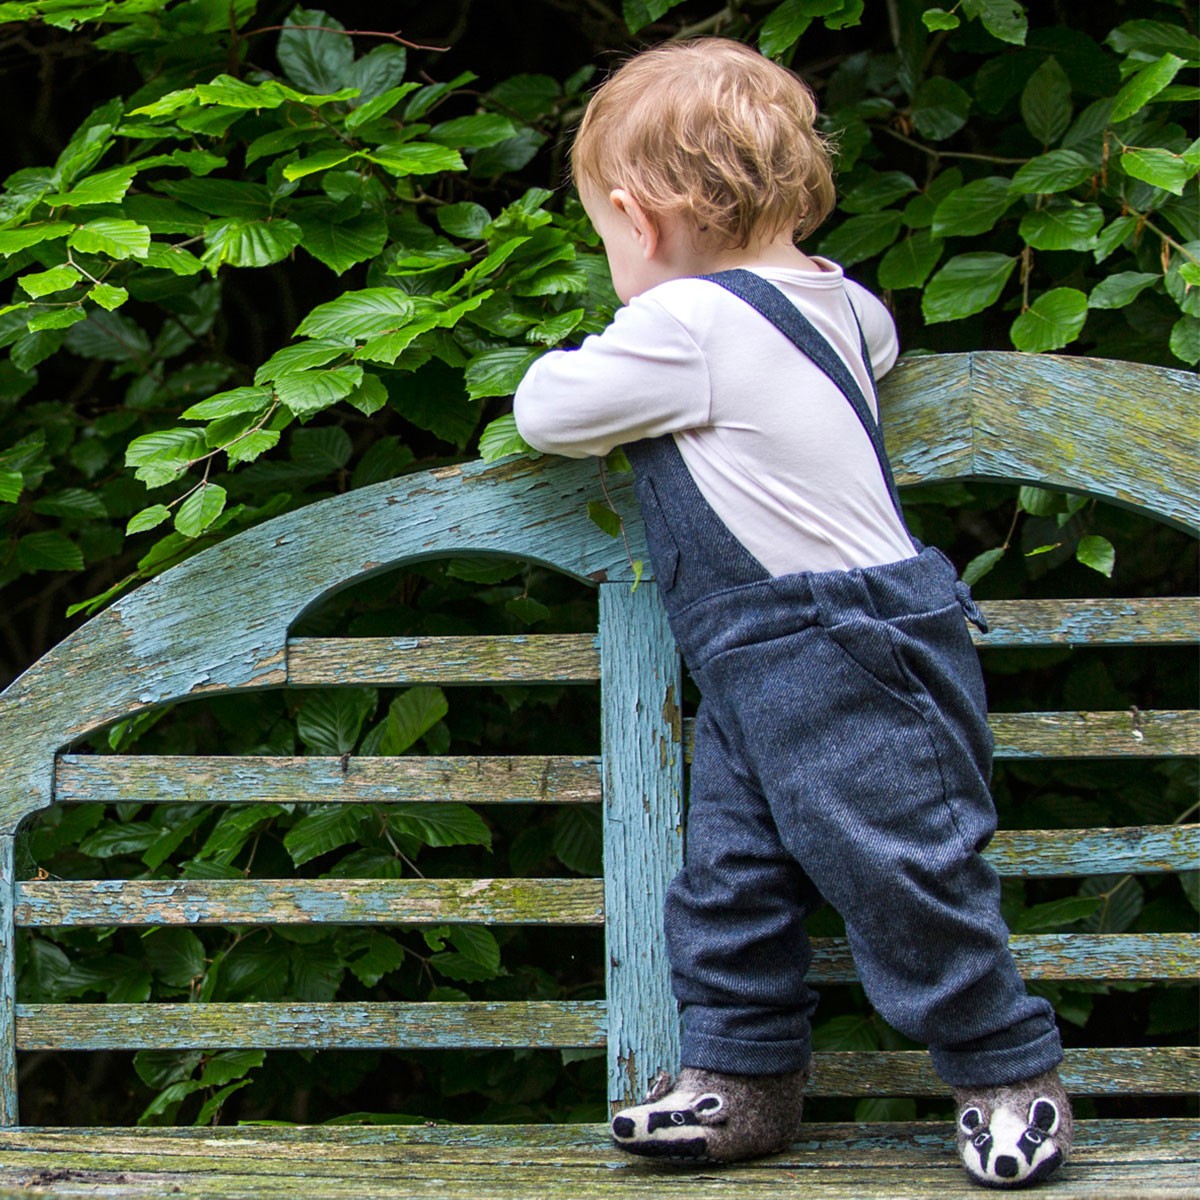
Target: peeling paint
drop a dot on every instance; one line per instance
(672, 717)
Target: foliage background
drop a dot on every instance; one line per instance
(252, 261)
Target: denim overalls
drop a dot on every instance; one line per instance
(842, 754)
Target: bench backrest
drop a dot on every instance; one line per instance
(220, 622)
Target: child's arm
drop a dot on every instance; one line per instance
(642, 377)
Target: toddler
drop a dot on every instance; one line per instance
(842, 753)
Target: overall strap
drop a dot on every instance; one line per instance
(768, 300)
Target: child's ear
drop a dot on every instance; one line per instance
(643, 226)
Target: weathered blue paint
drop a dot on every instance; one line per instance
(1122, 1159)
(320, 779)
(641, 685)
(75, 903)
(9, 1112)
(1017, 417)
(220, 620)
(1099, 1071)
(1072, 853)
(1107, 956)
(319, 1026)
(1158, 621)
(399, 661)
(1132, 734)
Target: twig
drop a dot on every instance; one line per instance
(621, 519)
(1012, 528)
(387, 833)
(1166, 237)
(709, 25)
(894, 26)
(379, 33)
(207, 458)
(991, 158)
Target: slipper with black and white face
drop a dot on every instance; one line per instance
(1014, 1136)
(704, 1116)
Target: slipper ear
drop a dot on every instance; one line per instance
(659, 1088)
(970, 1120)
(1043, 1115)
(707, 1106)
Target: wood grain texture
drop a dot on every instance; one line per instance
(1099, 956)
(574, 658)
(1122, 1159)
(1132, 734)
(9, 1107)
(1162, 621)
(641, 693)
(144, 902)
(564, 1144)
(262, 779)
(1124, 431)
(1103, 1071)
(314, 1026)
(391, 661)
(1068, 853)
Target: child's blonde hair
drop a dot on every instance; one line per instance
(711, 129)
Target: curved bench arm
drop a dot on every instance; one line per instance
(220, 620)
(1126, 432)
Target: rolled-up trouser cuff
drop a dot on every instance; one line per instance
(732, 1056)
(998, 1067)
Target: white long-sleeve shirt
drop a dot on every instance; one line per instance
(773, 446)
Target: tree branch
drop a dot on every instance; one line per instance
(377, 33)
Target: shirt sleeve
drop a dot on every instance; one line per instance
(878, 328)
(642, 377)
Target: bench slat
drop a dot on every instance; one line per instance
(575, 658)
(1126, 734)
(355, 1149)
(385, 661)
(1068, 853)
(310, 902)
(1108, 956)
(641, 694)
(1160, 621)
(259, 779)
(516, 901)
(543, 1024)
(1107, 1071)
(153, 779)
(1132, 734)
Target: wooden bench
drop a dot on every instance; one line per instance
(221, 622)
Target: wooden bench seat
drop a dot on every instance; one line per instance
(222, 623)
(842, 1161)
